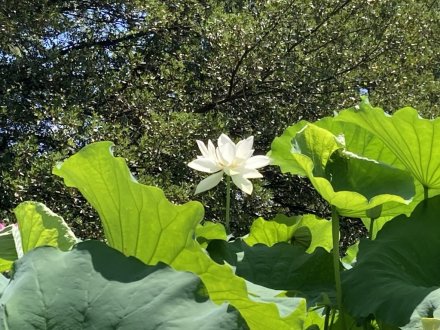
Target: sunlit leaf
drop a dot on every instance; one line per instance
(377, 225)
(307, 230)
(431, 323)
(362, 142)
(412, 139)
(209, 231)
(8, 252)
(350, 256)
(39, 226)
(137, 219)
(352, 183)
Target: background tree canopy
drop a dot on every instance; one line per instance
(154, 76)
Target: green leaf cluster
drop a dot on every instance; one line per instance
(139, 222)
(284, 274)
(384, 169)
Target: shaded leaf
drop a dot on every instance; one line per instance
(3, 283)
(96, 287)
(280, 267)
(397, 276)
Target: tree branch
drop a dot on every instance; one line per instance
(247, 51)
(229, 96)
(107, 42)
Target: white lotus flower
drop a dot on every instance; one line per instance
(235, 160)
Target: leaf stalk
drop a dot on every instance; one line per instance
(336, 256)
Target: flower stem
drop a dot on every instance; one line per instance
(425, 197)
(328, 311)
(370, 233)
(335, 237)
(228, 204)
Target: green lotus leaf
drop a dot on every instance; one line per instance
(280, 267)
(431, 324)
(315, 320)
(139, 221)
(377, 224)
(397, 276)
(350, 256)
(277, 230)
(281, 147)
(8, 252)
(352, 183)
(355, 139)
(360, 141)
(3, 283)
(209, 231)
(412, 139)
(96, 287)
(39, 226)
(352, 324)
(365, 144)
(285, 304)
(307, 230)
(223, 285)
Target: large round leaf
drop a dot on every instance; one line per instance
(360, 141)
(129, 211)
(96, 287)
(412, 139)
(397, 276)
(354, 184)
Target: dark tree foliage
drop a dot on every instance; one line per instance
(154, 76)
